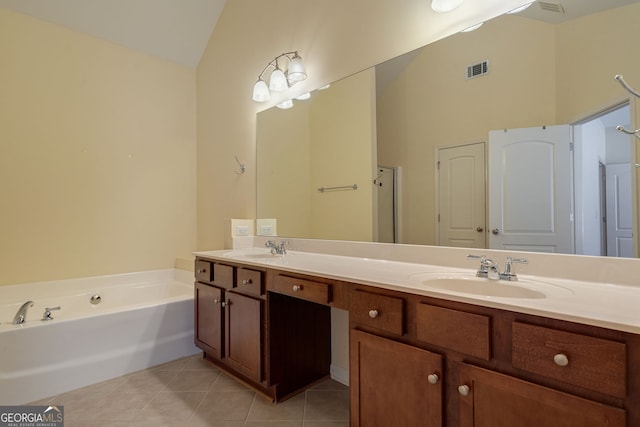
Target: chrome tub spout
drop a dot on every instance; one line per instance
(21, 315)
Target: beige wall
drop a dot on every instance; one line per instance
(283, 174)
(326, 141)
(335, 38)
(342, 154)
(97, 156)
(540, 74)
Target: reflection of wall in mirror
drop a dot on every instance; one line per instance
(539, 74)
(327, 143)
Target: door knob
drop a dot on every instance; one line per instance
(479, 229)
(495, 231)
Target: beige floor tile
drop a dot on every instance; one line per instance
(200, 422)
(327, 405)
(191, 391)
(329, 384)
(274, 424)
(174, 365)
(289, 410)
(226, 383)
(170, 407)
(149, 381)
(196, 380)
(226, 405)
(198, 362)
(326, 424)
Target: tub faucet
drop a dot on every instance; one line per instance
(21, 315)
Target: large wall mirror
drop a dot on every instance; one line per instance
(502, 137)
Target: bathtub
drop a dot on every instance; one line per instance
(107, 326)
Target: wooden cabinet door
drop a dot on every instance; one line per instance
(392, 384)
(244, 335)
(209, 319)
(494, 400)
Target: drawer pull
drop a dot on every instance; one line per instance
(464, 390)
(202, 270)
(561, 359)
(433, 378)
(247, 281)
(373, 313)
(297, 288)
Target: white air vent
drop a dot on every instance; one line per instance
(554, 7)
(477, 70)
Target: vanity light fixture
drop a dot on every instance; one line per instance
(285, 105)
(443, 6)
(520, 9)
(280, 80)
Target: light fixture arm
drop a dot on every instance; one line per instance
(274, 63)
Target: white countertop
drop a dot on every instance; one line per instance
(605, 305)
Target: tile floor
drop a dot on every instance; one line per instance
(191, 392)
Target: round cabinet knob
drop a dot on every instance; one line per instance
(216, 301)
(433, 378)
(223, 304)
(373, 313)
(561, 359)
(464, 390)
(296, 288)
(202, 270)
(247, 282)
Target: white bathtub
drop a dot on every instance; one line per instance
(143, 319)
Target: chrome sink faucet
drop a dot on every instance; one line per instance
(21, 315)
(508, 274)
(277, 248)
(488, 268)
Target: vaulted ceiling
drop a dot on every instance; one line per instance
(176, 30)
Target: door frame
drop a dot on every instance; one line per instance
(615, 104)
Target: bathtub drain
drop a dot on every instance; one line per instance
(95, 299)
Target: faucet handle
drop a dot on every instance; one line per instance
(508, 274)
(47, 313)
(488, 268)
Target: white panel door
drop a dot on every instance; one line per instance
(530, 189)
(619, 222)
(461, 196)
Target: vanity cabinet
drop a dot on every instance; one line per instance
(230, 317)
(394, 384)
(415, 360)
(488, 398)
(428, 361)
(209, 319)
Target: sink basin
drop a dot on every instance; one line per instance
(466, 283)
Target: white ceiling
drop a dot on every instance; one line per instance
(176, 30)
(179, 30)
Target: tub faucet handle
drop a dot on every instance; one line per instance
(47, 313)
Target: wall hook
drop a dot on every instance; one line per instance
(241, 165)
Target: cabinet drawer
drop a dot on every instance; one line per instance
(302, 288)
(378, 311)
(249, 281)
(223, 276)
(593, 363)
(204, 271)
(456, 330)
